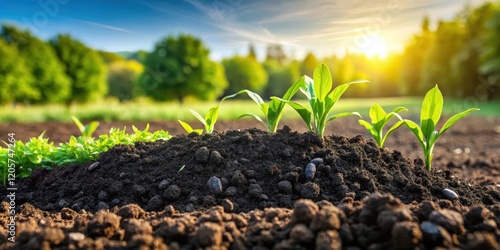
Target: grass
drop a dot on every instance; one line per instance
(230, 110)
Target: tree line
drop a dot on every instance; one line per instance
(462, 55)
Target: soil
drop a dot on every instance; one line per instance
(249, 189)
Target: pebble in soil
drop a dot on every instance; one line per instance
(251, 168)
(377, 222)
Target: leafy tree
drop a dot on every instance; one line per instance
(121, 79)
(15, 78)
(244, 73)
(251, 51)
(180, 67)
(49, 78)
(84, 67)
(308, 65)
(276, 52)
(490, 55)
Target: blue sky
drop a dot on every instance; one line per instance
(228, 26)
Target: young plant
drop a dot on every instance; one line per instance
(379, 119)
(274, 110)
(209, 120)
(321, 99)
(86, 130)
(430, 114)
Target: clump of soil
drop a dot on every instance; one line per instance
(378, 222)
(249, 169)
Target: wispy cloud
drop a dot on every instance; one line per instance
(101, 25)
(106, 26)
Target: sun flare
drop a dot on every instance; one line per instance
(376, 47)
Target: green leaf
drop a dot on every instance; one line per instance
(450, 122)
(392, 129)
(416, 131)
(211, 119)
(91, 128)
(432, 107)
(256, 117)
(189, 129)
(343, 114)
(368, 127)
(322, 81)
(79, 124)
(377, 115)
(198, 116)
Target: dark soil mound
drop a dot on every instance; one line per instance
(256, 170)
(379, 222)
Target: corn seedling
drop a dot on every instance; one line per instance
(86, 130)
(208, 121)
(273, 111)
(321, 99)
(379, 119)
(430, 114)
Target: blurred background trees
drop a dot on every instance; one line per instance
(180, 67)
(461, 54)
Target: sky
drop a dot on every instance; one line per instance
(227, 27)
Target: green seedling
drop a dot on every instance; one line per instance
(379, 119)
(208, 121)
(274, 110)
(430, 114)
(321, 99)
(86, 130)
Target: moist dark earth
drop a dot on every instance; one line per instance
(249, 189)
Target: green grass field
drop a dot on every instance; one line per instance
(230, 109)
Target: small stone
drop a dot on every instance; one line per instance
(103, 195)
(62, 203)
(264, 197)
(214, 185)
(163, 184)
(215, 158)
(76, 207)
(102, 205)
(450, 194)
(93, 166)
(310, 171)
(285, 187)
(255, 190)
(201, 155)
(122, 175)
(115, 202)
(155, 203)
(434, 235)
(317, 161)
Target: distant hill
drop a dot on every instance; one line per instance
(139, 55)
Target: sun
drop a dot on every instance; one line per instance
(376, 47)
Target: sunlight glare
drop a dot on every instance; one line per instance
(376, 47)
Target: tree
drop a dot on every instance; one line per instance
(251, 52)
(180, 67)
(15, 77)
(490, 55)
(275, 52)
(85, 68)
(121, 79)
(308, 65)
(49, 78)
(244, 73)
